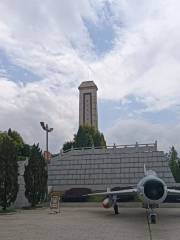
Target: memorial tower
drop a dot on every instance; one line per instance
(88, 114)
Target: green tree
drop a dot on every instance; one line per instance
(99, 139)
(8, 171)
(35, 177)
(174, 163)
(22, 147)
(87, 136)
(68, 145)
(16, 137)
(83, 138)
(25, 151)
(2, 136)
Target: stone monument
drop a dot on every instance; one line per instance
(88, 104)
(99, 168)
(21, 200)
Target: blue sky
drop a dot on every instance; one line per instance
(130, 49)
(102, 33)
(14, 72)
(110, 111)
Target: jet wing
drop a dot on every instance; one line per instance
(173, 192)
(131, 191)
(173, 196)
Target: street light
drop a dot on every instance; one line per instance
(45, 128)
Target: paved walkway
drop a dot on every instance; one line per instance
(89, 223)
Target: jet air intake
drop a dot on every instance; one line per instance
(154, 189)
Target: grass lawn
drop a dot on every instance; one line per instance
(9, 210)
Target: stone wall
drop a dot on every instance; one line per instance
(114, 166)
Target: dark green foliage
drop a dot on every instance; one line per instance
(8, 171)
(86, 136)
(2, 136)
(35, 177)
(25, 150)
(174, 163)
(7, 211)
(16, 138)
(99, 140)
(68, 145)
(83, 138)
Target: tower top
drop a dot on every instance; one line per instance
(87, 84)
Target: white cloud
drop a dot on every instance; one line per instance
(145, 59)
(131, 131)
(52, 41)
(23, 108)
(47, 39)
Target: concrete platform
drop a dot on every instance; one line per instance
(90, 223)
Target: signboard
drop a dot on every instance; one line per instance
(55, 202)
(47, 156)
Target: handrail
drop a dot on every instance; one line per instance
(114, 147)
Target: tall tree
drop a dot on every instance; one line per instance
(99, 139)
(25, 151)
(16, 137)
(22, 148)
(8, 171)
(174, 163)
(68, 145)
(87, 136)
(83, 138)
(35, 176)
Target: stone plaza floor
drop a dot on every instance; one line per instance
(90, 223)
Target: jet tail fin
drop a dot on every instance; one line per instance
(108, 189)
(149, 172)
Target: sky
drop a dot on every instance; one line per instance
(129, 48)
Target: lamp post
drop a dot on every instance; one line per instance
(48, 130)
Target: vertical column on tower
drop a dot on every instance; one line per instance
(88, 114)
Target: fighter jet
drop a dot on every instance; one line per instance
(150, 190)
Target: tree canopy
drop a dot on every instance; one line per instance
(174, 163)
(87, 136)
(68, 145)
(23, 149)
(16, 138)
(35, 176)
(8, 171)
